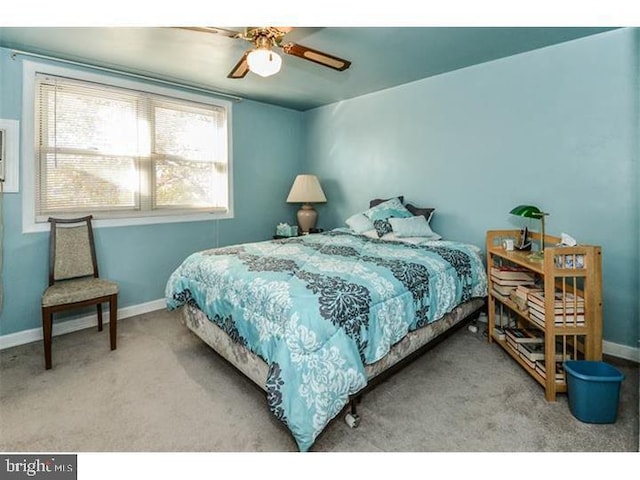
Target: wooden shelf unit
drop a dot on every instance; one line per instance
(560, 270)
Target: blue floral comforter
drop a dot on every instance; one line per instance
(317, 308)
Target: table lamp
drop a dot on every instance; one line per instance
(530, 211)
(306, 189)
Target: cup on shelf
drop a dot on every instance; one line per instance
(507, 244)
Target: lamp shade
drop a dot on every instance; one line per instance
(530, 211)
(527, 211)
(306, 189)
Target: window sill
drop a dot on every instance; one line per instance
(32, 227)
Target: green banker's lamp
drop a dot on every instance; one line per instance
(530, 211)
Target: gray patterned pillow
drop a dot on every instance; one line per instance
(381, 213)
(377, 201)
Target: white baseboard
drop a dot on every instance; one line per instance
(89, 321)
(621, 351)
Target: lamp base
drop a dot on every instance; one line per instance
(307, 218)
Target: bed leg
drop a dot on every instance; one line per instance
(352, 418)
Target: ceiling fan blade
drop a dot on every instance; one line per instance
(316, 56)
(241, 69)
(221, 31)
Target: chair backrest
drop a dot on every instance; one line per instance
(72, 252)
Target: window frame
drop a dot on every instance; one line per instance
(29, 149)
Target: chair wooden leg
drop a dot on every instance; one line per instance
(47, 327)
(113, 320)
(99, 317)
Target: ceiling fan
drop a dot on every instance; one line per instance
(262, 60)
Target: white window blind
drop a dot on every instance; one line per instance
(116, 152)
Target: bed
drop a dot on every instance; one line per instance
(313, 320)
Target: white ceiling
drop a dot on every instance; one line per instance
(382, 57)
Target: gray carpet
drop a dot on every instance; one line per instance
(164, 390)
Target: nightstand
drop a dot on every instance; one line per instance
(312, 231)
(278, 237)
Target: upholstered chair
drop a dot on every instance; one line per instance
(73, 278)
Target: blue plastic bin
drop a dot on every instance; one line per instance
(593, 389)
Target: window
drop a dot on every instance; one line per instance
(121, 152)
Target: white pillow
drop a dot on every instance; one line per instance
(413, 227)
(359, 223)
(372, 234)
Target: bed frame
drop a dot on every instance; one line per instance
(403, 352)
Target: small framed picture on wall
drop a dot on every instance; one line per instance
(9, 154)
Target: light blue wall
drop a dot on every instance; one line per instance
(555, 127)
(267, 145)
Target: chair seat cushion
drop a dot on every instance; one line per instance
(77, 290)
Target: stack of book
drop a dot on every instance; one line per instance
(568, 309)
(505, 279)
(559, 373)
(518, 336)
(528, 343)
(533, 352)
(520, 296)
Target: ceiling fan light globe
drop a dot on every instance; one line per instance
(264, 62)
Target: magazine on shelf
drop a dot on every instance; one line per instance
(505, 291)
(530, 363)
(557, 310)
(520, 335)
(511, 282)
(535, 351)
(532, 351)
(520, 295)
(502, 272)
(559, 373)
(560, 319)
(525, 290)
(515, 336)
(563, 301)
(498, 332)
